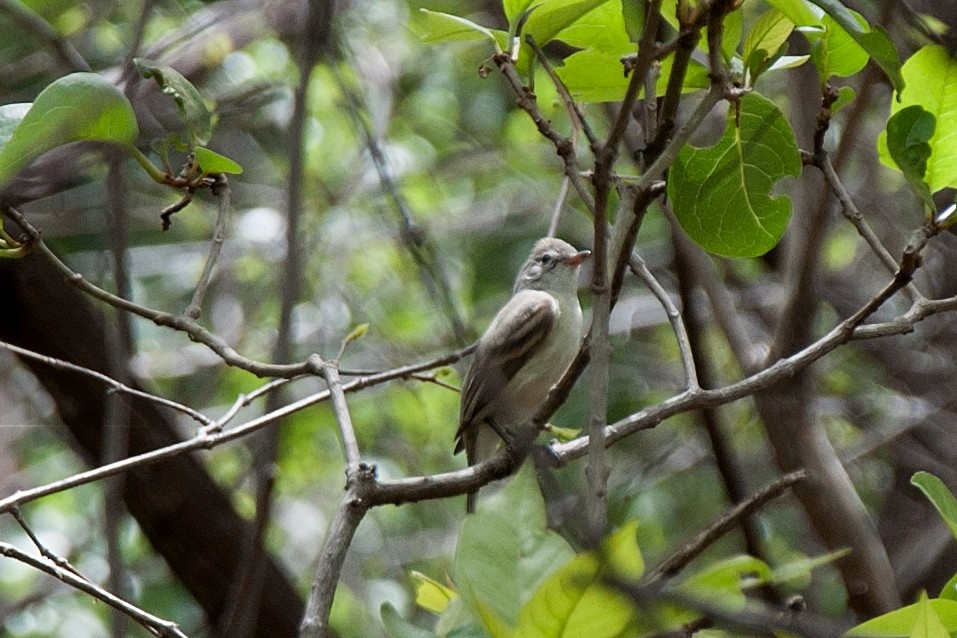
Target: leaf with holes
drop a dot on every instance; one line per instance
(196, 118)
(722, 194)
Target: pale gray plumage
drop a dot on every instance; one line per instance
(526, 349)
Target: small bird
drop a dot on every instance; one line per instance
(525, 351)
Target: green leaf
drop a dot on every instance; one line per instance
(787, 62)
(949, 590)
(875, 41)
(431, 594)
(505, 551)
(941, 497)
(514, 8)
(212, 162)
(547, 20)
(800, 12)
(196, 118)
(766, 37)
(845, 95)
(575, 602)
(835, 52)
(928, 623)
(444, 27)
(564, 434)
(724, 582)
(901, 622)
(909, 132)
(722, 194)
(398, 627)
(601, 29)
(76, 107)
(800, 570)
(931, 76)
(594, 76)
(731, 34)
(620, 550)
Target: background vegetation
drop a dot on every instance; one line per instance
(390, 188)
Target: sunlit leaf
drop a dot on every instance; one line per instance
(594, 76)
(601, 29)
(722, 194)
(931, 76)
(901, 622)
(620, 550)
(76, 107)
(431, 594)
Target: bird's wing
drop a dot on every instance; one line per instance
(524, 323)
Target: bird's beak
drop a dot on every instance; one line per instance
(578, 258)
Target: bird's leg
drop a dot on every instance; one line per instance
(502, 434)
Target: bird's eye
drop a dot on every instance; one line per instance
(546, 259)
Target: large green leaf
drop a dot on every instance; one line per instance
(909, 132)
(875, 41)
(931, 76)
(938, 494)
(505, 551)
(77, 107)
(196, 118)
(575, 601)
(722, 194)
(901, 622)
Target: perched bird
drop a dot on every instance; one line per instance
(525, 351)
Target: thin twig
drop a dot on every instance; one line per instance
(641, 270)
(704, 539)
(212, 436)
(574, 109)
(155, 625)
(221, 191)
(340, 408)
(116, 386)
(315, 621)
(180, 323)
(853, 215)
